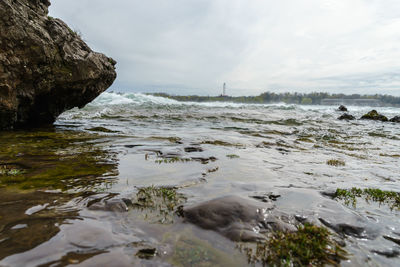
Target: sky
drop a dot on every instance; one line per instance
(194, 46)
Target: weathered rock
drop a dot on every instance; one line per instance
(374, 115)
(342, 108)
(395, 119)
(239, 219)
(346, 116)
(45, 67)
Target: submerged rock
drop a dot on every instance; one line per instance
(347, 116)
(239, 219)
(342, 108)
(374, 115)
(395, 119)
(45, 67)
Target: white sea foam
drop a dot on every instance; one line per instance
(106, 99)
(109, 99)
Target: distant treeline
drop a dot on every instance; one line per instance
(289, 98)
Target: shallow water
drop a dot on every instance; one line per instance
(119, 143)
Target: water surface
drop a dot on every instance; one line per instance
(122, 142)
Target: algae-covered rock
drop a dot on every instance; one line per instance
(45, 67)
(374, 115)
(346, 116)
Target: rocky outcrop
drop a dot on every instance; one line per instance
(45, 67)
(342, 108)
(374, 115)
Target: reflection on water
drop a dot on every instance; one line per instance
(106, 186)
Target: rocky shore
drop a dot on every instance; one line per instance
(45, 67)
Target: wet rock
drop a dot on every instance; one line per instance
(374, 115)
(345, 229)
(237, 218)
(118, 205)
(395, 119)
(342, 108)
(204, 160)
(146, 253)
(393, 239)
(346, 116)
(268, 197)
(193, 149)
(45, 67)
(388, 253)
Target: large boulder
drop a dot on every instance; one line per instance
(45, 67)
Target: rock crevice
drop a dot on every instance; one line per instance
(45, 67)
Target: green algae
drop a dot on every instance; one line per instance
(172, 139)
(389, 198)
(159, 203)
(310, 245)
(101, 129)
(232, 156)
(9, 170)
(390, 155)
(335, 162)
(221, 143)
(190, 250)
(49, 159)
(173, 160)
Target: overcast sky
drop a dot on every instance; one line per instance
(193, 46)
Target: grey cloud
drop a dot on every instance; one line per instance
(186, 46)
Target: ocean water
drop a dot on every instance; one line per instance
(50, 207)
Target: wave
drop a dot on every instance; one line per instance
(112, 99)
(106, 99)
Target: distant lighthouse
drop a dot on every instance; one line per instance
(224, 90)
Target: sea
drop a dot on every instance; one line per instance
(75, 193)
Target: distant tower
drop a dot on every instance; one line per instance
(224, 89)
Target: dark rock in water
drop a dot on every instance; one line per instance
(393, 239)
(45, 67)
(387, 254)
(342, 108)
(374, 115)
(395, 119)
(237, 218)
(346, 229)
(146, 253)
(347, 116)
(190, 149)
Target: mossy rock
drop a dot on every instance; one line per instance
(374, 115)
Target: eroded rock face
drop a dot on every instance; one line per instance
(45, 67)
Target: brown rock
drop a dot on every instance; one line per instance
(45, 67)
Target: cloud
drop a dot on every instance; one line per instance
(194, 46)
